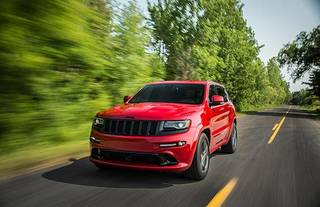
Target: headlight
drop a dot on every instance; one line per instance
(98, 122)
(176, 125)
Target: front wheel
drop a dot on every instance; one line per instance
(231, 146)
(201, 160)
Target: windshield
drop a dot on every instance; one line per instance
(170, 93)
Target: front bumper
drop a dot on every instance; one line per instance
(144, 152)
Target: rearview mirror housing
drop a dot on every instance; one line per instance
(217, 100)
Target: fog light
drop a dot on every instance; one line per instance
(168, 145)
(181, 143)
(173, 144)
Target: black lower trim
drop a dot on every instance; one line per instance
(134, 157)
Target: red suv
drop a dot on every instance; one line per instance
(166, 126)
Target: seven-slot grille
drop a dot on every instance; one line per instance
(131, 127)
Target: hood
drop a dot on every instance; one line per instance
(151, 111)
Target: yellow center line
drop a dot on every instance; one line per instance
(277, 127)
(223, 194)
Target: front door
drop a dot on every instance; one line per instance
(219, 117)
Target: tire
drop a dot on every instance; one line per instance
(201, 160)
(231, 146)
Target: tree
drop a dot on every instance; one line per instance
(132, 63)
(302, 56)
(50, 57)
(174, 25)
(230, 47)
(314, 82)
(210, 40)
(278, 86)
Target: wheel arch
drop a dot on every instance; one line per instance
(207, 132)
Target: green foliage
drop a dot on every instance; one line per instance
(314, 82)
(61, 61)
(210, 40)
(132, 64)
(303, 55)
(47, 50)
(307, 99)
(174, 32)
(279, 88)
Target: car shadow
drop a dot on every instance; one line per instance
(218, 152)
(83, 172)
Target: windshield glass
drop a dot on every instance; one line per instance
(170, 93)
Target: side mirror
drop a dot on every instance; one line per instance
(217, 100)
(126, 99)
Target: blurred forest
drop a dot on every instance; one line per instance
(62, 61)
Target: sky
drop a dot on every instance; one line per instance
(275, 23)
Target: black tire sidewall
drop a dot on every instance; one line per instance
(203, 138)
(229, 148)
(234, 136)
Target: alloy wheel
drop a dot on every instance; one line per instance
(204, 157)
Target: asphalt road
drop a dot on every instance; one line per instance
(283, 173)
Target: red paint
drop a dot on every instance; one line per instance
(217, 99)
(218, 119)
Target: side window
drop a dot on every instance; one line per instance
(212, 91)
(222, 92)
(227, 96)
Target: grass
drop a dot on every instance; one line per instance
(32, 158)
(252, 109)
(313, 109)
(17, 158)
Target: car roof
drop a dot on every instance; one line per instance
(187, 82)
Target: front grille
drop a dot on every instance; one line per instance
(131, 127)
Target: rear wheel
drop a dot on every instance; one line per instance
(231, 146)
(200, 164)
